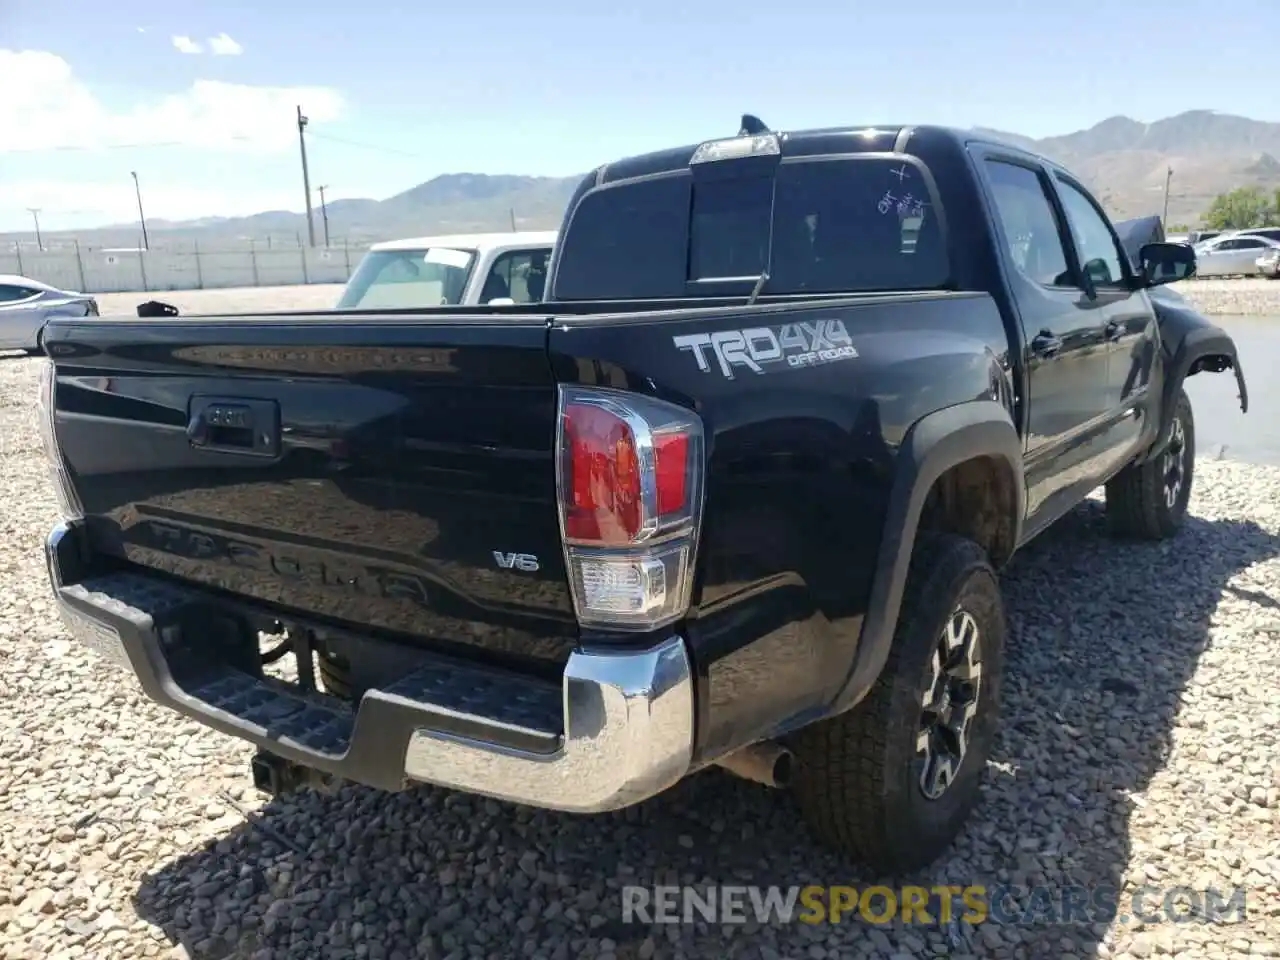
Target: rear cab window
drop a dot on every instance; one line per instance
(819, 225)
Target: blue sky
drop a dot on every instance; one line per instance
(550, 87)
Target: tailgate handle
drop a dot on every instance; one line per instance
(235, 425)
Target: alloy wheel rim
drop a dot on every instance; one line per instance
(1173, 463)
(949, 704)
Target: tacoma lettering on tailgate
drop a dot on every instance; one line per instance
(337, 574)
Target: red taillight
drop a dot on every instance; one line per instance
(603, 476)
(673, 470)
(630, 482)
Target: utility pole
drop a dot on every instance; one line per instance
(324, 214)
(513, 219)
(35, 215)
(306, 177)
(1168, 176)
(142, 217)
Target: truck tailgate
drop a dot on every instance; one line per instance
(391, 473)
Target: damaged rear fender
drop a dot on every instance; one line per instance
(1192, 344)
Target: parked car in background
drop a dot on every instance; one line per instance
(26, 304)
(450, 271)
(1232, 256)
(1200, 236)
(1271, 233)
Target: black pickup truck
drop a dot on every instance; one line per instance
(736, 493)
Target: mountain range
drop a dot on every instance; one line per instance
(1124, 161)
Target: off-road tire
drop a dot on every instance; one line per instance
(1139, 503)
(857, 778)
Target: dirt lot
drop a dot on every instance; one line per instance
(318, 296)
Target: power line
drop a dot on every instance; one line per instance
(239, 138)
(367, 146)
(85, 148)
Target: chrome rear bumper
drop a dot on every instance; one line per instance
(620, 727)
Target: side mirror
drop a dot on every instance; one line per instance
(501, 302)
(1162, 263)
(1098, 272)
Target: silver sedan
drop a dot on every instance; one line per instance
(1234, 255)
(26, 304)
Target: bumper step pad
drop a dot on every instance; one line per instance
(137, 621)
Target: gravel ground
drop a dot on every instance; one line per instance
(1140, 747)
(1251, 297)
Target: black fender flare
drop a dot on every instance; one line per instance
(932, 446)
(1188, 358)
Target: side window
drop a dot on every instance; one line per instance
(518, 274)
(1248, 243)
(1030, 227)
(11, 294)
(1227, 245)
(1095, 244)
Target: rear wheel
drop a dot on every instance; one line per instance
(1149, 500)
(893, 780)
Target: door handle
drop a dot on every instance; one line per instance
(1114, 329)
(1046, 344)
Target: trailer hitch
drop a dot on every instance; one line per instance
(277, 776)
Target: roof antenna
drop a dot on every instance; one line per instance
(752, 126)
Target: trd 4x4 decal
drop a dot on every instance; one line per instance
(804, 344)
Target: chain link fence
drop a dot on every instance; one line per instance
(70, 265)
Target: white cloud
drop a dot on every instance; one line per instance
(223, 46)
(186, 45)
(46, 106)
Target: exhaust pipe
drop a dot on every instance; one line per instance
(768, 763)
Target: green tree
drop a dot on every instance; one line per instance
(1240, 209)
